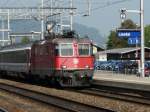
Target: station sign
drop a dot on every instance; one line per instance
(133, 41)
(128, 33)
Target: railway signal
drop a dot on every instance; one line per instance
(123, 14)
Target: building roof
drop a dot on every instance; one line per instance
(99, 48)
(121, 50)
(16, 47)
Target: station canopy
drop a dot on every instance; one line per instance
(130, 53)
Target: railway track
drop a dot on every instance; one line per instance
(127, 95)
(52, 100)
(3, 110)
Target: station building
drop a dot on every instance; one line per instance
(97, 49)
(130, 53)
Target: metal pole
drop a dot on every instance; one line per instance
(3, 34)
(61, 22)
(71, 15)
(42, 21)
(51, 7)
(142, 38)
(89, 7)
(9, 27)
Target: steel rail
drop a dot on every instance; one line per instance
(52, 100)
(132, 96)
(3, 110)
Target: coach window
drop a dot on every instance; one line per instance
(84, 49)
(66, 50)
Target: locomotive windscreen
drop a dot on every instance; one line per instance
(64, 50)
(84, 49)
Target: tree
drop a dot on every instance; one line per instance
(116, 42)
(128, 24)
(25, 40)
(147, 35)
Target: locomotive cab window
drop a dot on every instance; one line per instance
(66, 49)
(84, 49)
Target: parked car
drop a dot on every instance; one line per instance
(147, 71)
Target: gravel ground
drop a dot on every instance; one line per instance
(13, 103)
(116, 105)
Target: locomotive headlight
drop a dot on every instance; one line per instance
(63, 66)
(87, 66)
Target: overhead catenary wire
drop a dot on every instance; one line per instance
(96, 5)
(107, 4)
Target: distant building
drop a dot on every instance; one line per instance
(96, 49)
(101, 56)
(130, 53)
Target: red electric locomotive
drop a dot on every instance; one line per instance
(67, 60)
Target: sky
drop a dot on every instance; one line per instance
(108, 18)
(104, 19)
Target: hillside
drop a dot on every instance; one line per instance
(23, 26)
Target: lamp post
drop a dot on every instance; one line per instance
(141, 12)
(142, 37)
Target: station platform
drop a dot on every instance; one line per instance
(106, 78)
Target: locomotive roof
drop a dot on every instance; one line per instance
(16, 47)
(20, 46)
(70, 40)
(64, 40)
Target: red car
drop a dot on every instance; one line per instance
(147, 71)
